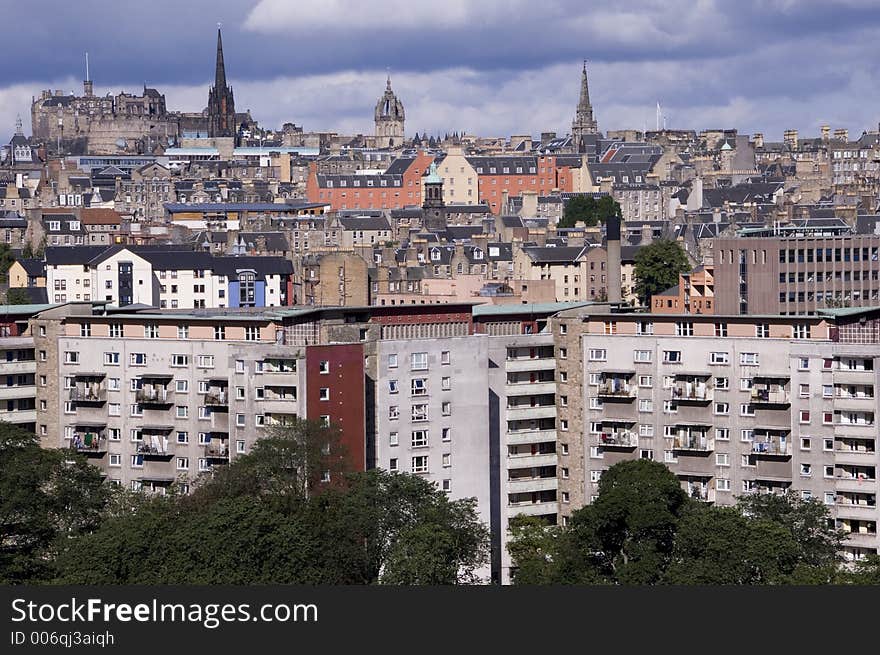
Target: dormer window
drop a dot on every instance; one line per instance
(329, 184)
(478, 254)
(435, 255)
(54, 226)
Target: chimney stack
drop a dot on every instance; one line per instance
(758, 139)
(612, 247)
(841, 134)
(826, 132)
(790, 137)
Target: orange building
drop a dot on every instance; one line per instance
(513, 175)
(694, 294)
(399, 186)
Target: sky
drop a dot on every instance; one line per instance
(488, 67)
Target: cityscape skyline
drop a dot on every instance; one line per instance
(700, 82)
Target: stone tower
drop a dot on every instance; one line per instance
(583, 123)
(389, 119)
(221, 104)
(433, 207)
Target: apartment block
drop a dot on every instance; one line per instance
(744, 405)
(18, 367)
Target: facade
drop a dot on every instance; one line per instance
(694, 294)
(802, 274)
(752, 405)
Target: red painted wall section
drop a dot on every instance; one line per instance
(346, 405)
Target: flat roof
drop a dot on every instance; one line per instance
(528, 308)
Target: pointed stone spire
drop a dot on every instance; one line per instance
(220, 71)
(18, 129)
(584, 123)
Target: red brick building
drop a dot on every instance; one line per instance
(512, 175)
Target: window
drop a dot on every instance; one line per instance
(670, 407)
(392, 386)
(722, 383)
(324, 393)
(85, 329)
(646, 405)
(595, 476)
(446, 434)
(151, 331)
(138, 359)
(829, 498)
(762, 330)
(183, 437)
(806, 443)
(805, 416)
(722, 434)
(251, 333)
(722, 484)
(240, 420)
(746, 436)
(183, 332)
(642, 355)
(719, 358)
(420, 464)
(116, 330)
(324, 367)
(806, 470)
(721, 329)
(419, 361)
(115, 460)
(646, 430)
(563, 425)
(646, 380)
(446, 384)
(392, 465)
(828, 444)
(722, 459)
(419, 386)
(392, 439)
(179, 360)
(182, 463)
(827, 391)
(419, 438)
(748, 359)
(203, 465)
(111, 359)
(71, 357)
(392, 360)
(722, 408)
(671, 356)
(801, 331)
(393, 412)
(596, 403)
(205, 361)
(446, 408)
(219, 332)
(598, 354)
(684, 329)
(445, 357)
(644, 327)
(563, 353)
(182, 411)
(803, 364)
(137, 461)
(745, 409)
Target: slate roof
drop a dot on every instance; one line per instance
(365, 223)
(555, 254)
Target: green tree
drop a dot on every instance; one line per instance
(7, 258)
(718, 545)
(657, 267)
(534, 549)
(47, 497)
(17, 296)
(589, 210)
(807, 520)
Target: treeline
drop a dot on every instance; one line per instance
(265, 518)
(643, 529)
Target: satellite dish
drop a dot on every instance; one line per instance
(120, 143)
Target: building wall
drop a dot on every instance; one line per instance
(460, 182)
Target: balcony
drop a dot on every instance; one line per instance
(853, 376)
(218, 451)
(692, 392)
(693, 443)
(530, 436)
(618, 439)
(846, 481)
(529, 485)
(19, 416)
(530, 364)
(864, 539)
(155, 450)
(88, 395)
(530, 388)
(154, 397)
(528, 460)
(617, 390)
(866, 510)
(771, 448)
(216, 397)
(19, 367)
(853, 402)
(89, 444)
(770, 397)
(852, 453)
(19, 391)
(533, 509)
(527, 412)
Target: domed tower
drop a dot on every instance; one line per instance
(389, 119)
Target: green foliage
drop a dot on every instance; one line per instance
(17, 296)
(266, 519)
(47, 497)
(589, 210)
(657, 268)
(643, 530)
(7, 258)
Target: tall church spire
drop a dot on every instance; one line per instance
(584, 123)
(220, 71)
(221, 103)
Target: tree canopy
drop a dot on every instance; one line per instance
(270, 517)
(657, 267)
(589, 210)
(643, 530)
(17, 296)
